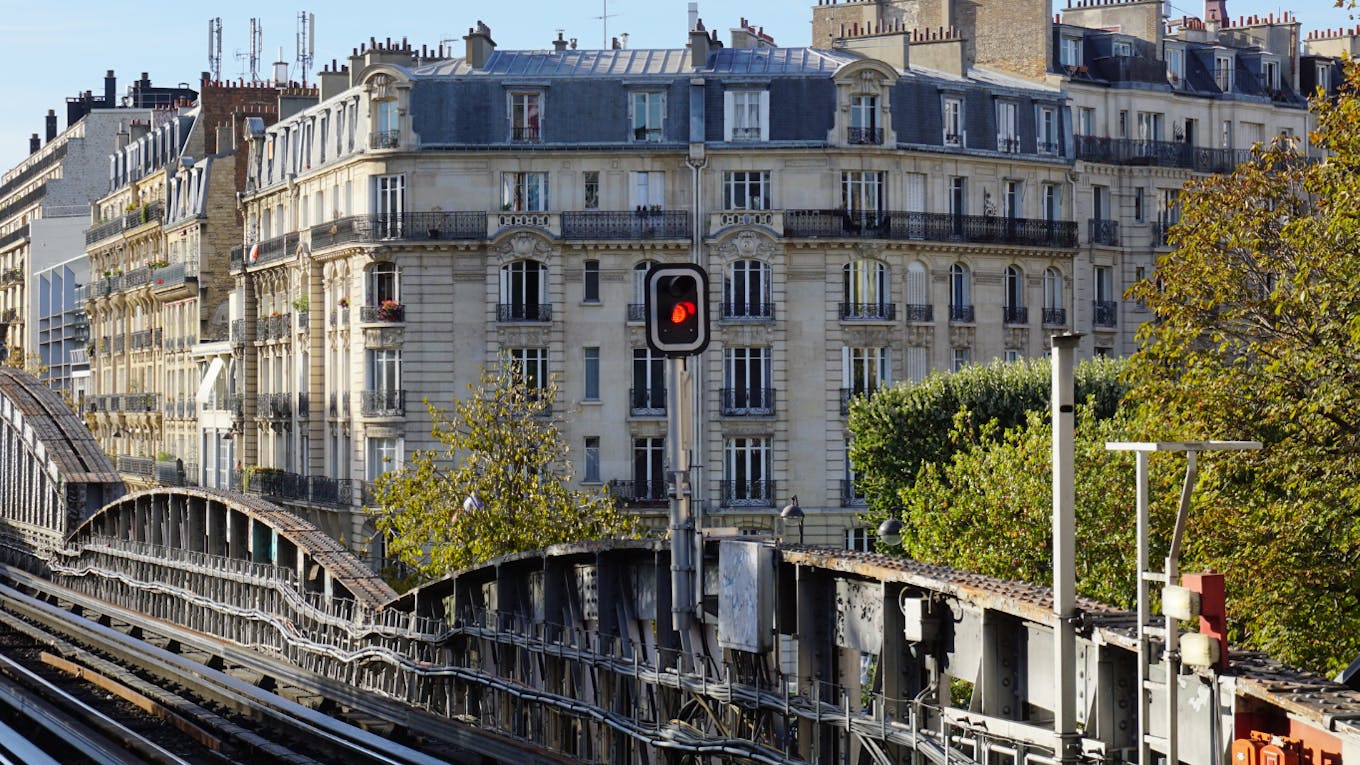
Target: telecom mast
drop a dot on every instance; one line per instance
(306, 43)
(215, 48)
(256, 44)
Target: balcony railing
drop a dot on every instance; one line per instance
(271, 250)
(406, 227)
(508, 312)
(961, 313)
(322, 490)
(1055, 317)
(1160, 231)
(383, 403)
(1128, 151)
(864, 136)
(386, 312)
(131, 219)
(1104, 232)
(748, 493)
(640, 493)
(850, 394)
(746, 133)
(746, 402)
(851, 496)
(647, 402)
(1104, 313)
(384, 139)
(1015, 314)
(524, 134)
(919, 312)
(338, 405)
(868, 311)
(274, 406)
(763, 311)
(936, 227)
(139, 466)
(638, 224)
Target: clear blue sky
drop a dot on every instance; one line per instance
(52, 50)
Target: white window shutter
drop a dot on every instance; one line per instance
(846, 374)
(728, 115)
(764, 115)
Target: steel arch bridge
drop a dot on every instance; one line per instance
(804, 654)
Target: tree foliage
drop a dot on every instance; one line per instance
(498, 485)
(901, 428)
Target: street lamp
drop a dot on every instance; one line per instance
(890, 532)
(792, 513)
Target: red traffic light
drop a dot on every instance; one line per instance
(682, 312)
(676, 309)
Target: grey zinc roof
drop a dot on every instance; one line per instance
(640, 62)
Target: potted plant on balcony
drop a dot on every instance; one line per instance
(389, 310)
(301, 303)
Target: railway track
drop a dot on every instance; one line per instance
(138, 691)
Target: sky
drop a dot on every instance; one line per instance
(50, 51)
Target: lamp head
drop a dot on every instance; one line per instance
(890, 532)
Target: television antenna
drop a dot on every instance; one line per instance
(604, 18)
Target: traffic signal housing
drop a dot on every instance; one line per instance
(677, 309)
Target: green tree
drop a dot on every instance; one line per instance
(901, 428)
(497, 486)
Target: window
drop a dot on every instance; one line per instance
(1226, 134)
(1175, 65)
(1150, 126)
(1123, 48)
(1055, 311)
(389, 192)
(960, 293)
(385, 122)
(1071, 51)
(1086, 120)
(649, 468)
(961, 357)
(918, 297)
(384, 456)
(1139, 205)
(1015, 312)
(864, 127)
(647, 190)
(746, 290)
(1322, 73)
(953, 121)
(1171, 206)
(1270, 75)
(865, 290)
(746, 382)
(746, 472)
(958, 196)
(384, 370)
(861, 540)
(1255, 132)
(1052, 202)
(525, 117)
(381, 285)
(524, 192)
(747, 115)
(524, 292)
(533, 364)
(1100, 202)
(1007, 126)
(649, 111)
(637, 306)
(1104, 308)
(1013, 199)
(1223, 71)
(746, 190)
(648, 394)
(591, 192)
(863, 198)
(1123, 123)
(591, 472)
(864, 370)
(591, 362)
(590, 280)
(1048, 130)
(918, 363)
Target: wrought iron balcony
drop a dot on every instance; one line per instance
(524, 134)
(763, 311)
(646, 134)
(746, 133)
(919, 312)
(851, 496)
(1104, 313)
(748, 493)
(386, 312)
(1128, 151)
(322, 490)
(406, 227)
(513, 312)
(636, 224)
(640, 493)
(868, 311)
(272, 250)
(384, 139)
(1104, 232)
(274, 406)
(1055, 317)
(746, 402)
(961, 313)
(936, 227)
(647, 402)
(864, 136)
(382, 403)
(1015, 314)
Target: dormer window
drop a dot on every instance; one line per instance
(1324, 77)
(864, 127)
(525, 117)
(1123, 48)
(1008, 127)
(1223, 71)
(1270, 76)
(1071, 52)
(953, 121)
(649, 114)
(747, 115)
(1175, 66)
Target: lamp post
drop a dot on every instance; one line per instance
(890, 532)
(792, 513)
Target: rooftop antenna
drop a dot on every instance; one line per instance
(215, 48)
(256, 43)
(604, 18)
(306, 43)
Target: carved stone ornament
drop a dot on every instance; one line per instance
(525, 245)
(1016, 338)
(920, 335)
(961, 337)
(747, 245)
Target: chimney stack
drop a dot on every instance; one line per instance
(480, 46)
(34, 144)
(1216, 10)
(51, 124)
(110, 90)
(698, 45)
(560, 44)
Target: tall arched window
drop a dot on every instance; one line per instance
(1015, 312)
(1055, 311)
(746, 291)
(524, 292)
(960, 293)
(866, 293)
(918, 292)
